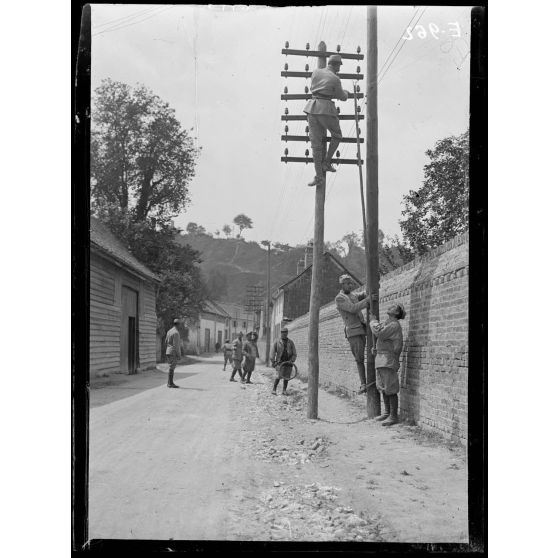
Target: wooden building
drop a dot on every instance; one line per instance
(292, 299)
(122, 320)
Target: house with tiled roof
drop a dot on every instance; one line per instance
(122, 318)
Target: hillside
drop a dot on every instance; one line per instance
(231, 265)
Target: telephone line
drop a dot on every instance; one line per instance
(117, 28)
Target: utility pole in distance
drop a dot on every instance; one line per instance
(373, 272)
(268, 303)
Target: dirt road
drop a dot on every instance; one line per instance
(216, 460)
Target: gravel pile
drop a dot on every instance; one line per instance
(302, 451)
(310, 513)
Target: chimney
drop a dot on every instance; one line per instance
(299, 267)
(308, 251)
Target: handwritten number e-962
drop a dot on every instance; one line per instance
(454, 31)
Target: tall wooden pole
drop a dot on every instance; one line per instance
(268, 306)
(317, 266)
(373, 273)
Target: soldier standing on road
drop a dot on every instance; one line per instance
(388, 350)
(322, 115)
(283, 350)
(250, 352)
(237, 358)
(227, 352)
(349, 306)
(174, 351)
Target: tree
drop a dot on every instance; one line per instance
(438, 210)
(242, 222)
(142, 160)
(182, 290)
(279, 247)
(194, 228)
(227, 230)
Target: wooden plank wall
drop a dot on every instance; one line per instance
(105, 292)
(104, 319)
(147, 327)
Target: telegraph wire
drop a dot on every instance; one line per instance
(400, 48)
(117, 28)
(119, 20)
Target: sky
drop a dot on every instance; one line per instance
(219, 68)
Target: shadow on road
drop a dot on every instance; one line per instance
(108, 390)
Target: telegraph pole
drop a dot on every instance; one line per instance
(319, 204)
(372, 270)
(317, 265)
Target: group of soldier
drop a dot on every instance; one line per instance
(283, 356)
(389, 344)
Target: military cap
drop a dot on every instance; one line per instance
(284, 329)
(335, 59)
(176, 321)
(345, 277)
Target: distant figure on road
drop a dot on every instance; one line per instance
(227, 352)
(283, 350)
(250, 352)
(217, 347)
(322, 115)
(174, 351)
(350, 306)
(237, 358)
(388, 350)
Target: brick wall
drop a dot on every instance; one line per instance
(434, 361)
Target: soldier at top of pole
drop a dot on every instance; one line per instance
(322, 115)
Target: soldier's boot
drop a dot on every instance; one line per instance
(285, 382)
(317, 180)
(385, 414)
(393, 417)
(362, 376)
(231, 379)
(248, 376)
(328, 167)
(275, 384)
(170, 382)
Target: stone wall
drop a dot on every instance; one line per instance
(434, 361)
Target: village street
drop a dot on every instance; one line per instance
(216, 460)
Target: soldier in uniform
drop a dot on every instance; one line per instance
(388, 350)
(349, 306)
(283, 350)
(250, 352)
(322, 115)
(227, 353)
(174, 351)
(237, 358)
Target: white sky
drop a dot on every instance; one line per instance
(423, 97)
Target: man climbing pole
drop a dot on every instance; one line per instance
(349, 306)
(322, 115)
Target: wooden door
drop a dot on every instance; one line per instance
(207, 340)
(129, 332)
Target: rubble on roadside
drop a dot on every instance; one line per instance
(310, 512)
